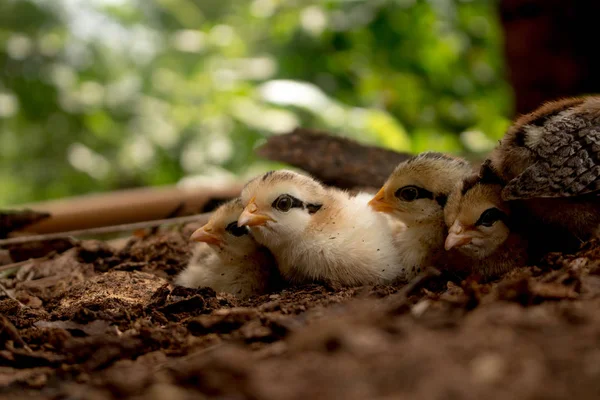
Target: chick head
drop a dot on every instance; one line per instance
(222, 232)
(279, 205)
(477, 217)
(418, 188)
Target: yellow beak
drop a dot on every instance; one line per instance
(251, 217)
(205, 235)
(457, 237)
(378, 203)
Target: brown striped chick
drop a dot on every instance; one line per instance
(415, 194)
(318, 233)
(483, 227)
(549, 161)
(228, 259)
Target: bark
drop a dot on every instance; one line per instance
(550, 49)
(334, 160)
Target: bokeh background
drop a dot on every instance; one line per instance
(98, 95)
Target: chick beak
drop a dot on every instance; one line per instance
(251, 217)
(457, 237)
(378, 203)
(205, 235)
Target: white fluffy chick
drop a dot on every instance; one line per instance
(228, 259)
(415, 194)
(318, 233)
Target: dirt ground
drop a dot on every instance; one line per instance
(97, 323)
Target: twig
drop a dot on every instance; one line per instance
(10, 296)
(21, 263)
(106, 229)
(8, 329)
(173, 214)
(399, 299)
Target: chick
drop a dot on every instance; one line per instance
(228, 259)
(549, 160)
(483, 227)
(416, 194)
(318, 233)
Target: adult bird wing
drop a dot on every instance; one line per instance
(567, 162)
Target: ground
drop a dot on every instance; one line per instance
(98, 323)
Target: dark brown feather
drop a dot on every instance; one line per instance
(551, 161)
(567, 165)
(552, 152)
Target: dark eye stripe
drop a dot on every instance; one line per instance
(422, 193)
(441, 200)
(489, 216)
(236, 230)
(297, 203)
(313, 208)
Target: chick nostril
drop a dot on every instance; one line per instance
(457, 229)
(252, 208)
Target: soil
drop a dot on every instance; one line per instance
(95, 322)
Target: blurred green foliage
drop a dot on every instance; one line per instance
(104, 94)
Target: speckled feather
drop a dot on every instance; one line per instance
(558, 153)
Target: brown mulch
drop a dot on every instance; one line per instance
(99, 323)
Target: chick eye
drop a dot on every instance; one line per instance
(408, 193)
(235, 230)
(489, 217)
(284, 203)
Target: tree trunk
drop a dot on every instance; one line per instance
(551, 49)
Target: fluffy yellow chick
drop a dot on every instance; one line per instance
(416, 194)
(318, 233)
(228, 259)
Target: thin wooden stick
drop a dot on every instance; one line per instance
(10, 296)
(125, 206)
(19, 264)
(106, 229)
